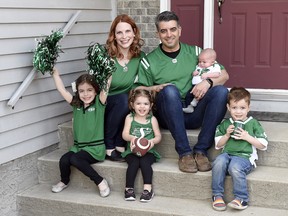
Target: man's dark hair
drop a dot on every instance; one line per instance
(166, 16)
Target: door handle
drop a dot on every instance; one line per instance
(220, 3)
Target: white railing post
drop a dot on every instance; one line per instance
(24, 85)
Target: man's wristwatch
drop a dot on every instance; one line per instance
(210, 82)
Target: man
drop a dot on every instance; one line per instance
(168, 70)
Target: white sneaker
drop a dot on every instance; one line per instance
(105, 192)
(58, 187)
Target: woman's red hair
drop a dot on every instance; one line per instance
(111, 43)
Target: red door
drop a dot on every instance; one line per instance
(252, 42)
(190, 14)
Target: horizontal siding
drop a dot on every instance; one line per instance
(39, 128)
(29, 146)
(32, 123)
(51, 4)
(25, 118)
(20, 30)
(59, 15)
(37, 86)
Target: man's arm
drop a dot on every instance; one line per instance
(201, 88)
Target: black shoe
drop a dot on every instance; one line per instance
(115, 156)
(130, 195)
(146, 196)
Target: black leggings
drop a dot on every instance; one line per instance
(144, 163)
(82, 160)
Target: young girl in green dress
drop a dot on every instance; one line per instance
(88, 129)
(140, 123)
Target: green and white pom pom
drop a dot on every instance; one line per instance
(100, 64)
(47, 52)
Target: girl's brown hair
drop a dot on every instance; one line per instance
(85, 78)
(111, 43)
(140, 92)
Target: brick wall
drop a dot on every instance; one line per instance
(144, 13)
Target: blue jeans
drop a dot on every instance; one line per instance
(115, 114)
(207, 114)
(238, 168)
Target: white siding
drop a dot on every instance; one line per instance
(32, 124)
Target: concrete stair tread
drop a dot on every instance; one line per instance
(39, 200)
(276, 131)
(261, 173)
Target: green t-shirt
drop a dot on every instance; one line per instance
(123, 80)
(242, 148)
(137, 129)
(88, 129)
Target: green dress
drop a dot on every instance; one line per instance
(88, 130)
(136, 130)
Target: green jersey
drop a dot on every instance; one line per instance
(242, 148)
(124, 77)
(142, 130)
(157, 68)
(88, 129)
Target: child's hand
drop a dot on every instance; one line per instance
(132, 145)
(55, 71)
(241, 134)
(151, 144)
(204, 76)
(195, 73)
(230, 130)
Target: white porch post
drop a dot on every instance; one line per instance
(208, 34)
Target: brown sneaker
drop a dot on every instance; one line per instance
(202, 162)
(187, 164)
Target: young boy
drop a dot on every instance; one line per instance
(238, 151)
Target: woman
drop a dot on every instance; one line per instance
(124, 46)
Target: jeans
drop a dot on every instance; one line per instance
(207, 114)
(115, 114)
(238, 168)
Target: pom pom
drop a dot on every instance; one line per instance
(100, 64)
(47, 52)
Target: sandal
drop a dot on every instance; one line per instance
(238, 204)
(218, 203)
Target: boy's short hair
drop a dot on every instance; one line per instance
(239, 93)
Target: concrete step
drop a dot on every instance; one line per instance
(265, 183)
(275, 155)
(75, 201)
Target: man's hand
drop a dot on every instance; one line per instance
(200, 89)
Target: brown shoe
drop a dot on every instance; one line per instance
(202, 162)
(187, 164)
